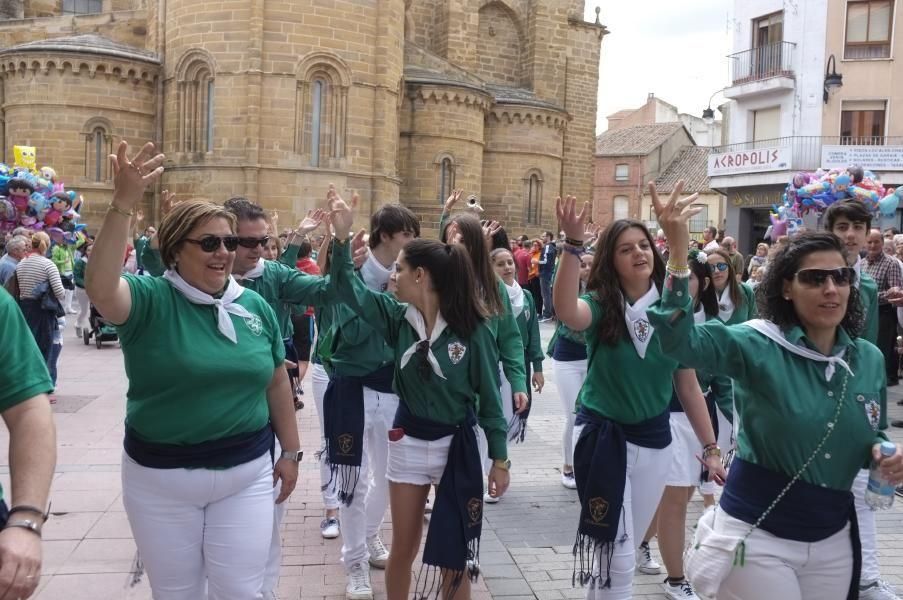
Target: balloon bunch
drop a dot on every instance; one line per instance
(816, 191)
(36, 200)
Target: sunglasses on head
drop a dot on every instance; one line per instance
(252, 242)
(722, 266)
(842, 276)
(211, 243)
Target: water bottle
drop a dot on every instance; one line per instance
(879, 494)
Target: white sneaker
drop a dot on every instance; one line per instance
(877, 590)
(359, 587)
(490, 499)
(379, 554)
(568, 481)
(329, 528)
(679, 591)
(644, 562)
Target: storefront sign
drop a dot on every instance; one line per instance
(755, 197)
(876, 158)
(749, 161)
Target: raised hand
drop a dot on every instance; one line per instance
(309, 223)
(131, 177)
(359, 250)
(490, 228)
(674, 215)
(452, 200)
(341, 213)
(166, 201)
(572, 223)
(139, 216)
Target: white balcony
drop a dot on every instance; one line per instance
(763, 70)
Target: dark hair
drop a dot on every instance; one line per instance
(853, 210)
(304, 249)
(484, 275)
(391, 219)
(707, 297)
(605, 286)
(548, 233)
(712, 231)
(18, 183)
(244, 209)
(737, 296)
(499, 238)
(452, 276)
(783, 267)
(61, 197)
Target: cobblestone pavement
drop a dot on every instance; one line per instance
(527, 537)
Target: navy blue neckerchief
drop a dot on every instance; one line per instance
(600, 470)
(343, 422)
(517, 428)
(807, 512)
(223, 453)
(452, 545)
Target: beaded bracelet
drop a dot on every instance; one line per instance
(570, 249)
(573, 242)
(124, 213)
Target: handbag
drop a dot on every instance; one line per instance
(712, 554)
(48, 299)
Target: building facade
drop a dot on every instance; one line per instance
(399, 100)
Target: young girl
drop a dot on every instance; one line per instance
(568, 352)
(622, 453)
(445, 375)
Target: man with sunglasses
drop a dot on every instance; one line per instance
(851, 221)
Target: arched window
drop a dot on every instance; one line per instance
(621, 207)
(445, 178)
(321, 106)
(98, 145)
(196, 91)
(533, 198)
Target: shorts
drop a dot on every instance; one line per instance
(685, 470)
(302, 338)
(416, 461)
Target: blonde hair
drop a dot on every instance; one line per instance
(40, 242)
(182, 220)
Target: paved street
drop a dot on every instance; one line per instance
(527, 539)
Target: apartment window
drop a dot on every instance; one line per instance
(621, 207)
(318, 101)
(699, 222)
(869, 26)
(766, 124)
(622, 172)
(82, 7)
(533, 197)
(768, 33)
(862, 123)
(446, 178)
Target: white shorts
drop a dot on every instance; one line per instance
(685, 469)
(416, 461)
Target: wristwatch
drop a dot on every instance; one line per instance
(292, 456)
(32, 526)
(505, 465)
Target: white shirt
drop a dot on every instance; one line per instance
(375, 275)
(713, 245)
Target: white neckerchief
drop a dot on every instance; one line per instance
(376, 276)
(858, 268)
(637, 324)
(725, 304)
(255, 272)
(516, 295)
(224, 306)
(699, 316)
(413, 316)
(773, 332)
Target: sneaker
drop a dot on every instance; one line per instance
(568, 481)
(682, 590)
(329, 528)
(490, 499)
(379, 554)
(545, 319)
(359, 587)
(877, 590)
(78, 332)
(644, 562)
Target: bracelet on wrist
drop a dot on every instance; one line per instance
(711, 450)
(569, 249)
(30, 509)
(32, 526)
(114, 208)
(573, 242)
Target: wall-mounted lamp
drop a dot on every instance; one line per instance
(708, 115)
(833, 79)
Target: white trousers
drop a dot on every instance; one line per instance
(318, 382)
(868, 530)
(784, 569)
(84, 308)
(647, 469)
(569, 377)
(200, 532)
(274, 558)
(365, 516)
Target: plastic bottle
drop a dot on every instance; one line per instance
(879, 494)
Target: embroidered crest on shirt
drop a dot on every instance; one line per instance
(641, 329)
(456, 352)
(255, 325)
(873, 412)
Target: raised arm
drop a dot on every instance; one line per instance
(106, 289)
(571, 310)
(293, 243)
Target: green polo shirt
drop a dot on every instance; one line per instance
(357, 348)
(470, 365)
(509, 345)
(564, 331)
(783, 402)
(748, 309)
(283, 287)
(868, 295)
(25, 374)
(619, 384)
(528, 324)
(188, 383)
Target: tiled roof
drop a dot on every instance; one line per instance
(621, 113)
(691, 165)
(88, 43)
(635, 141)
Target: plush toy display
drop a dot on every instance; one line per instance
(36, 199)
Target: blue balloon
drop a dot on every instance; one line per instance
(888, 205)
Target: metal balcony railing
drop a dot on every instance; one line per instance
(764, 62)
(806, 151)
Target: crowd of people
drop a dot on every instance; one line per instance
(681, 366)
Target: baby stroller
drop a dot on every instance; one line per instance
(100, 329)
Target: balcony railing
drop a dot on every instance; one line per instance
(764, 62)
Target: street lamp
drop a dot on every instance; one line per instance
(833, 79)
(708, 115)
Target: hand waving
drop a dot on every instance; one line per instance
(572, 223)
(131, 177)
(674, 215)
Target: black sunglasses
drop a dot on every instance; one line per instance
(211, 243)
(842, 276)
(251, 242)
(423, 364)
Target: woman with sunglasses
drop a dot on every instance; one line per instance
(207, 388)
(810, 398)
(622, 452)
(446, 378)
